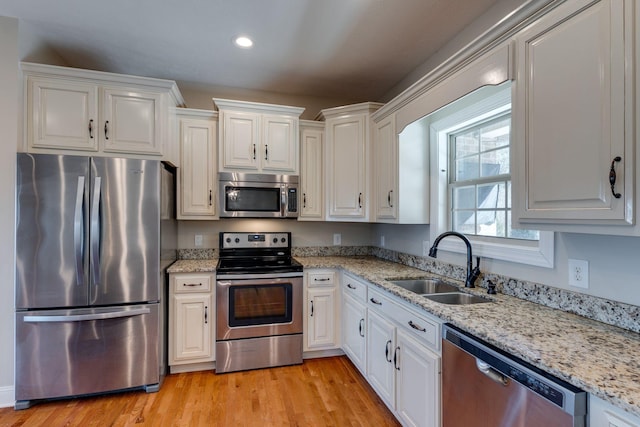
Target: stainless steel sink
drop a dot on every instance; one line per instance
(456, 298)
(425, 286)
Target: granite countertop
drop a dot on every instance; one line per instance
(596, 357)
(193, 266)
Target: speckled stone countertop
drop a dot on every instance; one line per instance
(601, 359)
(193, 266)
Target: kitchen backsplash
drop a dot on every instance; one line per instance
(611, 312)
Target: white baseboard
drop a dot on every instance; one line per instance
(322, 353)
(7, 397)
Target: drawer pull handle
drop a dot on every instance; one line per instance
(375, 301)
(386, 351)
(350, 286)
(325, 279)
(192, 284)
(360, 327)
(416, 327)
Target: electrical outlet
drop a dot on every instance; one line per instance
(579, 273)
(198, 240)
(337, 239)
(425, 248)
(382, 241)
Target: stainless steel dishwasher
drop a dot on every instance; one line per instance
(485, 387)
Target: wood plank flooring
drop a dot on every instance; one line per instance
(320, 392)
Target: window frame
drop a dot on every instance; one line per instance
(482, 104)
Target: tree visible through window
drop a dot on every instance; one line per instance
(480, 180)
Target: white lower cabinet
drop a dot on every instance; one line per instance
(354, 320)
(321, 312)
(191, 321)
(403, 360)
(417, 382)
(382, 356)
(604, 414)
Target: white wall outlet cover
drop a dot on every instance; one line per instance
(198, 240)
(579, 273)
(382, 241)
(337, 239)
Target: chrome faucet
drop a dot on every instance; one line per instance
(472, 273)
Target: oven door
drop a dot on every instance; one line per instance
(258, 306)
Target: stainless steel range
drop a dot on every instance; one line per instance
(258, 302)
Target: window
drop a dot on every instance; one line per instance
(480, 180)
(470, 141)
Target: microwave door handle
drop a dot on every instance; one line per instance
(283, 200)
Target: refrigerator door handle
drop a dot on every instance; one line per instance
(95, 232)
(86, 317)
(78, 231)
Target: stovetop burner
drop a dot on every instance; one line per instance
(256, 253)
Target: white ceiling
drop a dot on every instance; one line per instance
(354, 49)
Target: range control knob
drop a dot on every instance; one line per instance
(283, 240)
(275, 240)
(228, 239)
(237, 240)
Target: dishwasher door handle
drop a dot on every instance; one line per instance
(491, 372)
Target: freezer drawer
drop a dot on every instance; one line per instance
(73, 352)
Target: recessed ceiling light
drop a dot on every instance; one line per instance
(243, 42)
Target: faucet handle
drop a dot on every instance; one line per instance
(478, 264)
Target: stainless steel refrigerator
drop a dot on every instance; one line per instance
(89, 279)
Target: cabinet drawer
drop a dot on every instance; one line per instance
(321, 278)
(192, 282)
(417, 325)
(354, 287)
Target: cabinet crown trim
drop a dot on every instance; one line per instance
(44, 70)
(257, 107)
(363, 107)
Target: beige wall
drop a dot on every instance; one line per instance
(200, 97)
(9, 102)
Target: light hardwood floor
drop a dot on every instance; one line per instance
(320, 392)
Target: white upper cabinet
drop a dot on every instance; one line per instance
(311, 171)
(573, 117)
(256, 137)
(198, 167)
(401, 174)
(102, 113)
(348, 161)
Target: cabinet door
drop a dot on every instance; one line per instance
(279, 150)
(198, 169)
(385, 151)
(311, 174)
(240, 140)
(62, 114)
(132, 121)
(346, 166)
(381, 356)
(353, 331)
(418, 383)
(191, 334)
(321, 331)
(572, 119)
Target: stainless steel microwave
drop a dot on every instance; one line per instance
(246, 195)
